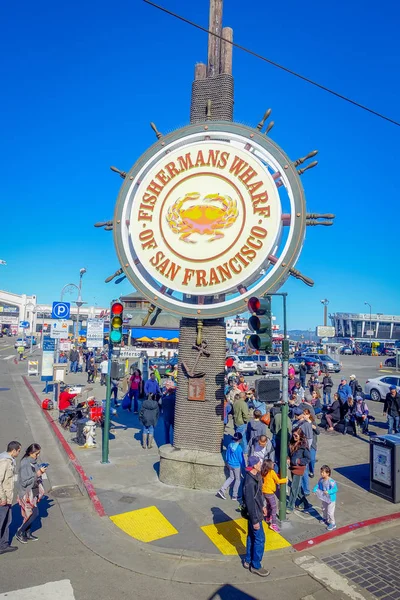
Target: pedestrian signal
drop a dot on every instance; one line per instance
(260, 323)
(116, 321)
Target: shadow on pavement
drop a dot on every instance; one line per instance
(358, 474)
(44, 505)
(228, 529)
(230, 592)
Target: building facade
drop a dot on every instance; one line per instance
(363, 326)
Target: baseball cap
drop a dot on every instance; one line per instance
(342, 380)
(238, 436)
(359, 397)
(392, 387)
(352, 376)
(253, 460)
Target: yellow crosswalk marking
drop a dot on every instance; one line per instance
(145, 524)
(230, 537)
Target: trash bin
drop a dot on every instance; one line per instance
(385, 467)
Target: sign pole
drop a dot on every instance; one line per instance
(106, 426)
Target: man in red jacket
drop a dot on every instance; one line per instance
(65, 399)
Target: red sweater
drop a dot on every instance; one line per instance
(64, 400)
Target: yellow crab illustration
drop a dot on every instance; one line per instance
(202, 218)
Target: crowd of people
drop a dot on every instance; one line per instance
(28, 478)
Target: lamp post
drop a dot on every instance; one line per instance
(32, 310)
(78, 301)
(325, 302)
(370, 324)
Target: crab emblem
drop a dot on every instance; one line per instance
(204, 219)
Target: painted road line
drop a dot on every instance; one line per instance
(328, 576)
(145, 524)
(230, 537)
(8, 357)
(56, 590)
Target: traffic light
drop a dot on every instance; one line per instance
(116, 321)
(261, 323)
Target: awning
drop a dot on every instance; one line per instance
(175, 340)
(160, 339)
(152, 333)
(144, 339)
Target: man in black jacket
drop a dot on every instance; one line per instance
(391, 408)
(254, 502)
(327, 385)
(303, 373)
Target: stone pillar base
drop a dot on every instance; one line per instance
(194, 469)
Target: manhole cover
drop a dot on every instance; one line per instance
(68, 491)
(127, 499)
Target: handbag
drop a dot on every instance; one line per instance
(266, 419)
(298, 469)
(126, 402)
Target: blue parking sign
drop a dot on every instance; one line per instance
(61, 310)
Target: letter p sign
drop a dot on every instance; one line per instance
(60, 310)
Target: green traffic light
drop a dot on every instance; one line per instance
(116, 336)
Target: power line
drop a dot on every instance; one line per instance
(275, 64)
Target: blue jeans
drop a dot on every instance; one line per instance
(311, 465)
(148, 430)
(255, 545)
(135, 395)
(74, 366)
(393, 421)
(242, 429)
(167, 428)
(327, 398)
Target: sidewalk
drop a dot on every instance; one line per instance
(195, 523)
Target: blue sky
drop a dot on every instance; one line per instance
(82, 80)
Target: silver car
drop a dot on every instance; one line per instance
(246, 365)
(378, 387)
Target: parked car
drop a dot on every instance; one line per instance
(326, 361)
(346, 350)
(273, 363)
(390, 362)
(246, 364)
(21, 342)
(378, 387)
(388, 352)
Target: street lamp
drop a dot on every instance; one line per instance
(370, 324)
(325, 302)
(78, 301)
(32, 309)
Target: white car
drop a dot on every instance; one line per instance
(20, 342)
(378, 387)
(246, 365)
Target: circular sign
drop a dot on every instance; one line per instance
(199, 220)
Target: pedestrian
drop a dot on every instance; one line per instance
(91, 370)
(242, 386)
(20, 351)
(327, 385)
(7, 478)
(168, 410)
(326, 490)
(241, 417)
(232, 390)
(114, 391)
(349, 414)
(362, 414)
(305, 422)
(73, 357)
(316, 401)
(270, 481)
(65, 399)
(255, 512)
(299, 391)
(262, 448)
(298, 459)
(157, 374)
(303, 373)
(317, 369)
(151, 386)
(344, 391)
(334, 413)
(30, 491)
(148, 416)
(234, 461)
(391, 408)
(134, 389)
(291, 370)
(353, 384)
(291, 384)
(255, 402)
(255, 428)
(103, 371)
(312, 383)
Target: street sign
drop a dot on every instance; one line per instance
(61, 310)
(59, 330)
(325, 331)
(24, 324)
(370, 332)
(95, 333)
(49, 345)
(129, 353)
(65, 345)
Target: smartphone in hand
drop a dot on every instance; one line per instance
(43, 466)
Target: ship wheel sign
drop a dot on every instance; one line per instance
(210, 215)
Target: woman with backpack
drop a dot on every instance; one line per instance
(299, 457)
(148, 416)
(30, 491)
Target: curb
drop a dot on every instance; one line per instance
(319, 539)
(77, 467)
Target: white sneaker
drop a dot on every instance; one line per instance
(221, 494)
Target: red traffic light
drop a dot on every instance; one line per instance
(253, 304)
(117, 308)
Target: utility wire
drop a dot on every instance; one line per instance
(275, 64)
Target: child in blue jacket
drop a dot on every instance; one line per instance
(326, 490)
(234, 460)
